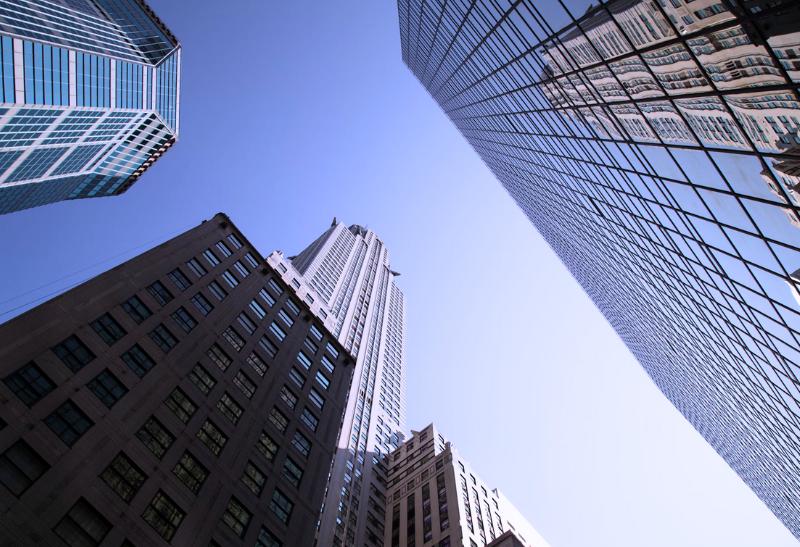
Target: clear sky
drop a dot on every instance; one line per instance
(297, 111)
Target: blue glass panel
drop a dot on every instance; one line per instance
(38, 79)
(8, 69)
(78, 159)
(36, 164)
(27, 55)
(47, 74)
(7, 158)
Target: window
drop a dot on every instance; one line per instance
(82, 526)
(190, 472)
(310, 345)
(230, 279)
(253, 478)
(155, 436)
(297, 377)
(285, 318)
(332, 350)
(293, 307)
(277, 331)
(288, 397)
(68, 422)
(124, 477)
(234, 338)
(241, 268)
(245, 384)
(301, 443)
(212, 437)
(308, 418)
(304, 361)
(134, 307)
(233, 240)
(327, 365)
(267, 345)
(236, 517)
(281, 506)
(257, 363)
(163, 338)
(196, 268)
(163, 515)
(308, 298)
(107, 328)
(73, 353)
(222, 248)
(276, 288)
(202, 304)
(218, 356)
(317, 399)
(211, 258)
(322, 380)
(315, 332)
(258, 310)
(292, 472)
(246, 323)
(267, 539)
(160, 293)
(295, 283)
(107, 388)
(266, 297)
(180, 404)
(250, 259)
(20, 467)
(201, 378)
(184, 319)
(138, 360)
(179, 279)
(217, 290)
(267, 446)
(278, 419)
(29, 383)
(230, 408)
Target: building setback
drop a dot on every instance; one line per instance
(434, 498)
(186, 397)
(654, 145)
(89, 98)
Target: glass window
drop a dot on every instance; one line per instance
(179, 279)
(29, 383)
(278, 419)
(267, 539)
(281, 506)
(201, 378)
(246, 323)
(315, 332)
(217, 290)
(163, 515)
(184, 319)
(163, 338)
(123, 476)
(332, 350)
(266, 297)
(301, 443)
(190, 472)
(292, 472)
(322, 380)
(82, 526)
(288, 397)
(155, 436)
(253, 478)
(202, 304)
(233, 240)
(233, 338)
(276, 288)
(160, 293)
(310, 345)
(73, 353)
(68, 422)
(257, 363)
(230, 408)
(297, 377)
(267, 345)
(230, 279)
(236, 517)
(20, 467)
(267, 446)
(107, 388)
(293, 307)
(211, 258)
(250, 259)
(218, 356)
(108, 329)
(258, 310)
(308, 418)
(316, 398)
(222, 248)
(180, 404)
(285, 318)
(138, 311)
(304, 361)
(138, 360)
(212, 437)
(277, 331)
(241, 268)
(196, 268)
(245, 384)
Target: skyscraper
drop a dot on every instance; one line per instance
(89, 93)
(653, 144)
(435, 498)
(188, 396)
(349, 270)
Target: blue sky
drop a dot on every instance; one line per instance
(295, 112)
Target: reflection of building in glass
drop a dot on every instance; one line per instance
(89, 98)
(638, 139)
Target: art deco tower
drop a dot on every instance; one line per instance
(348, 268)
(654, 145)
(89, 98)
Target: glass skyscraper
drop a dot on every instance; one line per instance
(89, 93)
(351, 279)
(655, 144)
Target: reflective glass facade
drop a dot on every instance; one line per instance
(100, 77)
(655, 144)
